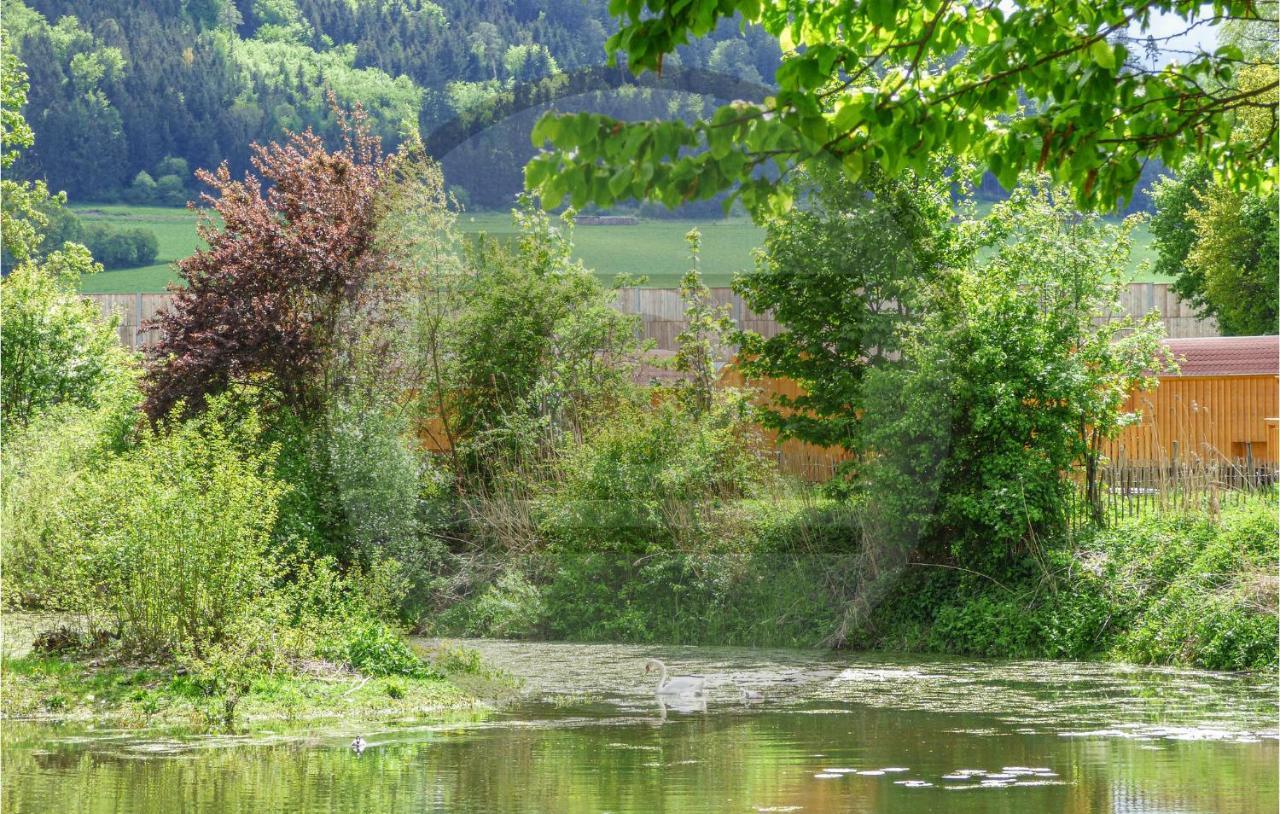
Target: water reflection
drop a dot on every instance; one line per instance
(829, 733)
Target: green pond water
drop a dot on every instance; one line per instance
(831, 733)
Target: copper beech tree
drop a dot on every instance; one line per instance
(292, 246)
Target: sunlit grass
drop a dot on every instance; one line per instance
(654, 249)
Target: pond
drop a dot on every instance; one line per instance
(829, 732)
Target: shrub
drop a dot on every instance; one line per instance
(375, 478)
(175, 533)
(379, 650)
(654, 478)
(510, 607)
(537, 352)
(1007, 384)
(1172, 590)
(171, 190)
(55, 346)
(1204, 594)
(45, 465)
(773, 573)
(121, 248)
(142, 190)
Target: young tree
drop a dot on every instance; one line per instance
(262, 305)
(55, 346)
(843, 273)
(1007, 385)
(1016, 86)
(703, 341)
(535, 351)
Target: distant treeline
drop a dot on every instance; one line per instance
(112, 246)
(128, 98)
(120, 89)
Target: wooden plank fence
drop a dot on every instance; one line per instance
(1137, 489)
(661, 312)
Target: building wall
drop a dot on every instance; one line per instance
(1205, 417)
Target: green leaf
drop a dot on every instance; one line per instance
(1103, 55)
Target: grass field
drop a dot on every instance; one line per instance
(655, 249)
(175, 230)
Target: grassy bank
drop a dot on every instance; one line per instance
(1180, 590)
(655, 249)
(102, 686)
(1184, 590)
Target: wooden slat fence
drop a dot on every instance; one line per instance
(662, 312)
(1138, 489)
(133, 310)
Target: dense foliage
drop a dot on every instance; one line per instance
(1007, 384)
(1017, 87)
(1182, 590)
(55, 347)
(1221, 247)
(282, 263)
(844, 275)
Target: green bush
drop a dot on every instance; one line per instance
(653, 479)
(45, 464)
(510, 607)
(1173, 590)
(165, 542)
(1007, 384)
(379, 650)
(772, 572)
(55, 346)
(117, 248)
(361, 494)
(1206, 593)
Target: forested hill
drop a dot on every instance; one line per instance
(128, 98)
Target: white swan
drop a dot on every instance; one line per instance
(677, 685)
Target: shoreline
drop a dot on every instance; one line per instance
(93, 687)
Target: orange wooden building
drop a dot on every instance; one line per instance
(1222, 404)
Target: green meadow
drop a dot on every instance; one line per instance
(653, 249)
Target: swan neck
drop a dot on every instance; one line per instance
(662, 682)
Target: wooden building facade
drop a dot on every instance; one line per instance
(1222, 405)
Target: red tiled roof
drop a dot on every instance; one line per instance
(1227, 355)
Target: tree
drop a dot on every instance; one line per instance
(1015, 86)
(1235, 251)
(1219, 243)
(701, 345)
(535, 351)
(843, 274)
(55, 347)
(1007, 385)
(22, 216)
(262, 304)
(142, 190)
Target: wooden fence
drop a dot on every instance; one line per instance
(1137, 489)
(133, 310)
(661, 312)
